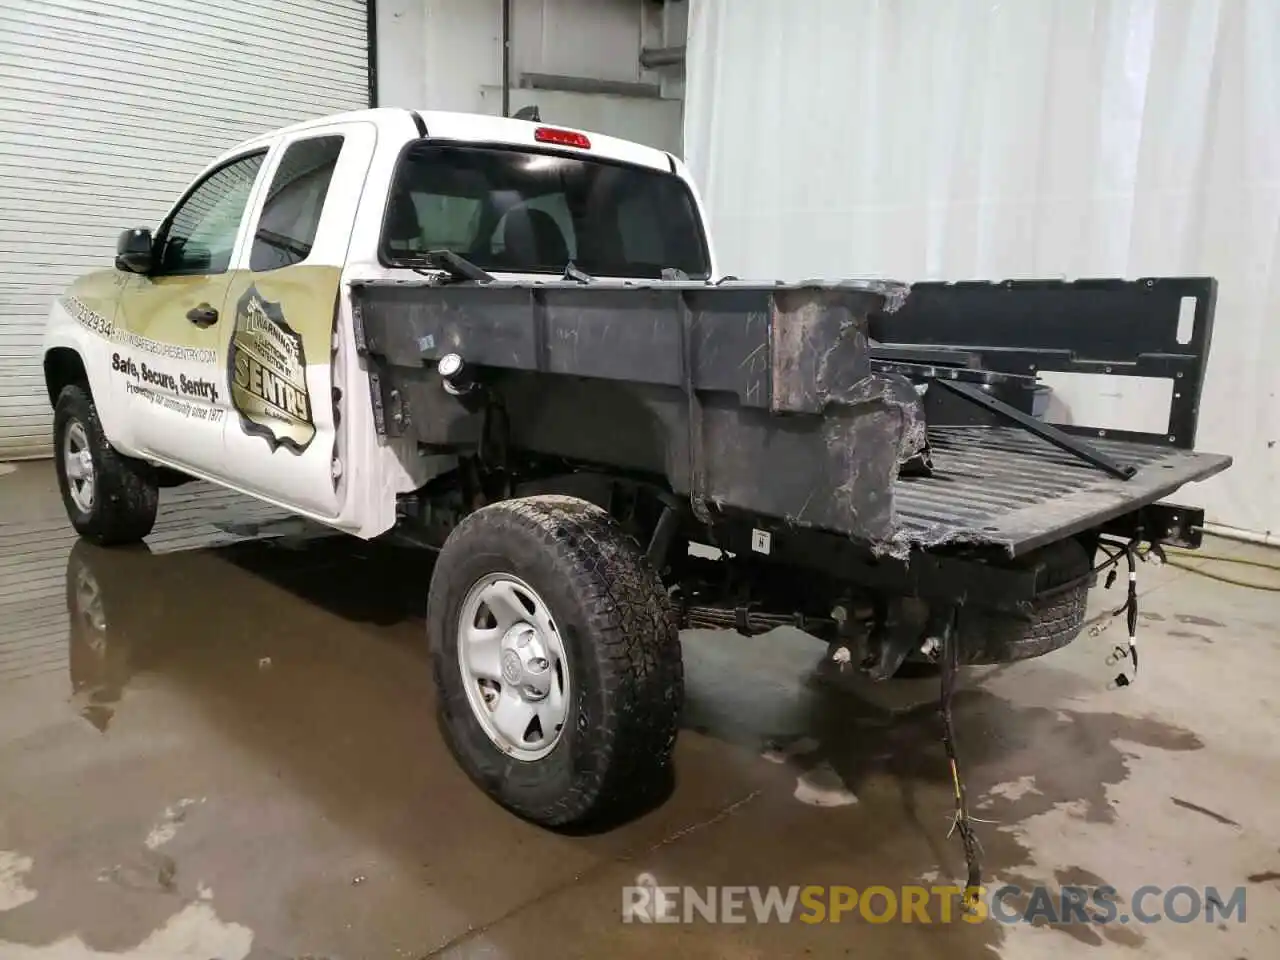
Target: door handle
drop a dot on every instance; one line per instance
(203, 315)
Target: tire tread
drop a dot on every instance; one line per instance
(1052, 622)
(629, 621)
(126, 496)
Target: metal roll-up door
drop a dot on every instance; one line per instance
(108, 108)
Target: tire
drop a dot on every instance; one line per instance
(608, 613)
(121, 507)
(1054, 620)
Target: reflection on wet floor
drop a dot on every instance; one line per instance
(307, 658)
(225, 742)
(33, 568)
(134, 610)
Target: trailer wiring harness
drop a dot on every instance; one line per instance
(962, 822)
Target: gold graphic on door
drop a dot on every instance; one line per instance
(268, 371)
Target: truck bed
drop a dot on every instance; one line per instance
(1006, 487)
(804, 404)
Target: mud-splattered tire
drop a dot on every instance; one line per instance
(613, 622)
(1053, 621)
(121, 504)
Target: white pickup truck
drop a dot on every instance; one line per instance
(509, 342)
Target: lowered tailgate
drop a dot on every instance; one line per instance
(1005, 484)
(1008, 488)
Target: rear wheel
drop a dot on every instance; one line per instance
(557, 660)
(110, 498)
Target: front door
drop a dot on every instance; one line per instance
(173, 323)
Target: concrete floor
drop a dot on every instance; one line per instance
(236, 756)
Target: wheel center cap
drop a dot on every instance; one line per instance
(512, 667)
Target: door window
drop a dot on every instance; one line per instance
(291, 214)
(200, 237)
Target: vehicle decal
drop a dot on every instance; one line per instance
(172, 351)
(194, 398)
(93, 294)
(249, 368)
(91, 301)
(87, 317)
(267, 368)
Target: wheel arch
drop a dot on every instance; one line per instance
(63, 366)
(67, 361)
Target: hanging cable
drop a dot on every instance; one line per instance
(1130, 609)
(961, 822)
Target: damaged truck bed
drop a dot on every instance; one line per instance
(899, 419)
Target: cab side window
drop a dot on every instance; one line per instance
(295, 200)
(200, 237)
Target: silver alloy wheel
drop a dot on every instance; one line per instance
(514, 666)
(77, 460)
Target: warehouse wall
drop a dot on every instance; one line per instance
(960, 139)
(447, 55)
(108, 108)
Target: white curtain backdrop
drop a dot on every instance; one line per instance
(988, 139)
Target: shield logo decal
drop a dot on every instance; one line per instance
(268, 372)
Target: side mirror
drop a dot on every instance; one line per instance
(134, 250)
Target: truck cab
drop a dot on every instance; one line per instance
(219, 344)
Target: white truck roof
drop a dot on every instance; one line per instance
(476, 128)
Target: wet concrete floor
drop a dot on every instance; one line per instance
(224, 746)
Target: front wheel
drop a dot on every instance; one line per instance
(110, 498)
(557, 660)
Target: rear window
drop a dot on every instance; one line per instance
(523, 211)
